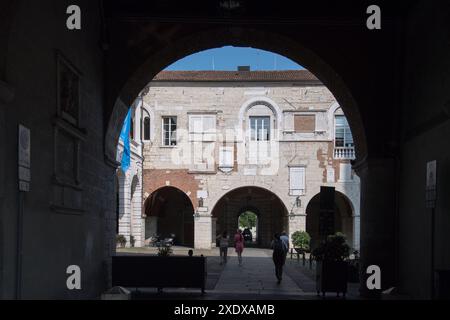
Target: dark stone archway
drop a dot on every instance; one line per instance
(272, 213)
(343, 219)
(169, 211)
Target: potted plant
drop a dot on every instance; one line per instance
(121, 240)
(164, 251)
(332, 264)
(301, 242)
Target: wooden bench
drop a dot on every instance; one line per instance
(159, 272)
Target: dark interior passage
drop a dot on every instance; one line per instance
(342, 219)
(271, 213)
(170, 211)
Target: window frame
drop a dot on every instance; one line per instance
(297, 192)
(251, 130)
(346, 131)
(172, 134)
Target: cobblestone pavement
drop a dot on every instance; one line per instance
(254, 280)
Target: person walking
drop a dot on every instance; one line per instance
(223, 247)
(239, 244)
(278, 256)
(285, 238)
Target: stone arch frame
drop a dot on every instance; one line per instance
(354, 215)
(346, 197)
(269, 103)
(237, 36)
(150, 216)
(259, 186)
(162, 187)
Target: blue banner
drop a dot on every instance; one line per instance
(125, 137)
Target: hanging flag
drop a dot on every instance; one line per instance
(125, 137)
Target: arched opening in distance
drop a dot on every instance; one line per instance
(342, 220)
(169, 211)
(248, 223)
(272, 215)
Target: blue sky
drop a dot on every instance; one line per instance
(228, 58)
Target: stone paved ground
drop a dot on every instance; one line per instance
(254, 280)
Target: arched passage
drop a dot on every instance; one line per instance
(342, 220)
(272, 213)
(169, 211)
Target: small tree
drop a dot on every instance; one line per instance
(247, 220)
(301, 240)
(334, 248)
(121, 240)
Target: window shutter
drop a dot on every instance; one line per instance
(297, 180)
(226, 157)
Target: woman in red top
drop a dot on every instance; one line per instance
(239, 244)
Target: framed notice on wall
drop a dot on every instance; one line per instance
(431, 185)
(24, 157)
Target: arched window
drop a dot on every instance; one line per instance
(132, 127)
(145, 127)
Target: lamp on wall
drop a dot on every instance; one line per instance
(298, 202)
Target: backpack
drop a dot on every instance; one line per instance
(278, 247)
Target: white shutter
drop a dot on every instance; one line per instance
(296, 180)
(226, 157)
(209, 127)
(195, 128)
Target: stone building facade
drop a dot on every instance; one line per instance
(265, 141)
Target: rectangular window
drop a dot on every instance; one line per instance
(169, 131)
(259, 128)
(342, 134)
(202, 127)
(296, 181)
(304, 123)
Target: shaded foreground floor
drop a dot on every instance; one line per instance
(254, 280)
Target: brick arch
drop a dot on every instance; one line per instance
(183, 45)
(149, 198)
(154, 179)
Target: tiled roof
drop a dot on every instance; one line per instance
(282, 75)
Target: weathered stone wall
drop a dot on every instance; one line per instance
(425, 132)
(53, 237)
(232, 104)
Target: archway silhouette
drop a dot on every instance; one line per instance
(271, 211)
(169, 211)
(342, 219)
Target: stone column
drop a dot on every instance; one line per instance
(356, 230)
(124, 207)
(378, 221)
(213, 232)
(202, 229)
(297, 222)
